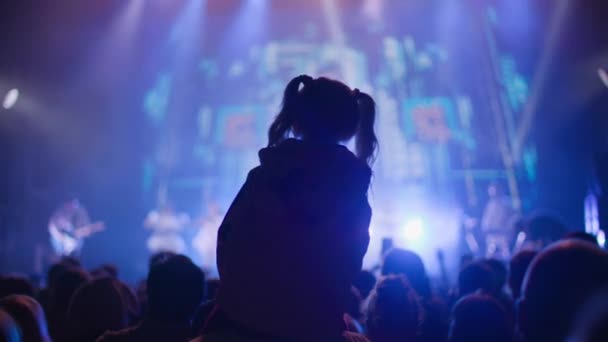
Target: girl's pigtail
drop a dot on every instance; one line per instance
(281, 126)
(366, 141)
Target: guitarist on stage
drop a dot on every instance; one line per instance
(69, 226)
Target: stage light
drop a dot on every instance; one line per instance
(11, 98)
(413, 230)
(373, 9)
(520, 240)
(601, 238)
(249, 24)
(603, 74)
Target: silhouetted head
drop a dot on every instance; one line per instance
(59, 298)
(545, 229)
(28, 314)
(70, 261)
(465, 260)
(499, 270)
(480, 318)
(65, 286)
(130, 300)
(9, 330)
(560, 280)
(394, 312)
(365, 283)
(58, 268)
(96, 307)
(12, 285)
(517, 270)
(476, 276)
(158, 257)
(327, 111)
(581, 236)
(105, 270)
(53, 273)
(409, 264)
(176, 287)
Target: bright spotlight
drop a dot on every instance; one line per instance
(11, 98)
(601, 238)
(413, 229)
(603, 74)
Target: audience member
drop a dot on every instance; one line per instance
(59, 299)
(160, 256)
(402, 306)
(542, 230)
(96, 307)
(131, 302)
(213, 286)
(499, 270)
(583, 236)
(175, 289)
(141, 292)
(28, 314)
(480, 318)
(201, 316)
(105, 270)
(395, 312)
(69, 261)
(204, 311)
(409, 264)
(365, 283)
(13, 285)
(517, 270)
(53, 274)
(560, 280)
(476, 276)
(465, 260)
(592, 322)
(302, 215)
(9, 330)
(352, 316)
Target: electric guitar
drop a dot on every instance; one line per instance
(67, 242)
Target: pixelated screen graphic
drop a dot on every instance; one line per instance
(449, 92)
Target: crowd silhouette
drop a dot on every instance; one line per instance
(290, 253)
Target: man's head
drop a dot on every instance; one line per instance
(28, 315)
(176, 287)
(476, 276)
(559, 281)
(404, 262)
(64, 288)
(479, 317)
(495, 190)
(159, 257)
(394, 311)
(500, 273)
(11, 285)
(545, 229)
(583, 236)
(517, 270)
